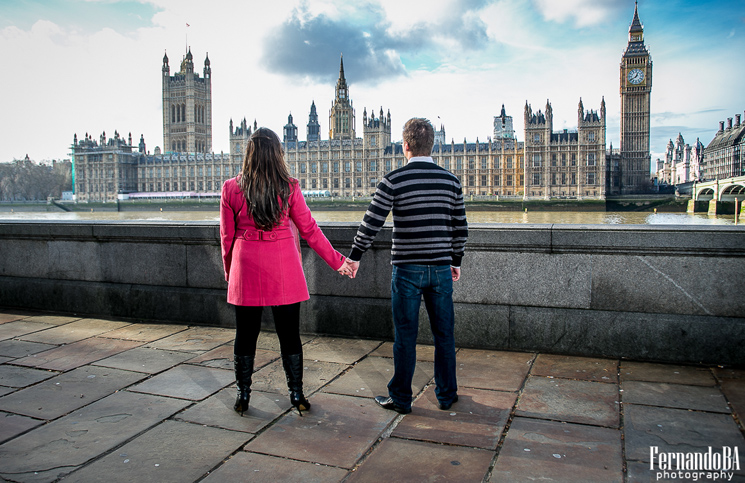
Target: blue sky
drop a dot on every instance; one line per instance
(80, 15)
(88, 66)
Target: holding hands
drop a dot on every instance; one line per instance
(349, 268)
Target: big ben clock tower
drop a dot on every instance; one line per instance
(636, 87)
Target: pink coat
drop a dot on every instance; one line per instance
(264, 267)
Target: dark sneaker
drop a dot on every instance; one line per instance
(446, 406)
(387, 403)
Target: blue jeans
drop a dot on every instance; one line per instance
(408, 284)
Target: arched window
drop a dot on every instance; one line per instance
(173, 113)
(183, 112)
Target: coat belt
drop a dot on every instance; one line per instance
(258, 235)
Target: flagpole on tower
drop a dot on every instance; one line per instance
(187, 38)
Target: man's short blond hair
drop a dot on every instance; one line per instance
(419, 135)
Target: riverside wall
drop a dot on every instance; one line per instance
(643, 292)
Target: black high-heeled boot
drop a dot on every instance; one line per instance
(293, 365)
(244, 368)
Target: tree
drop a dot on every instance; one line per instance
(25, 180)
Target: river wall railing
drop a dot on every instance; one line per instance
(643, 292)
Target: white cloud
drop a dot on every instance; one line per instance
(403, 14)
(584, 13)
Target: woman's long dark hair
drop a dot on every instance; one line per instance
(265, 181)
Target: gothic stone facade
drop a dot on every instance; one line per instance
(636, 88)
(565, 164)
(104, 170)
(187, 108)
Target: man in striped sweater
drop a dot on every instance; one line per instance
(429, 237)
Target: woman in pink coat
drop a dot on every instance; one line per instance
(261, 211)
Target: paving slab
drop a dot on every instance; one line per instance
(21, 312)
(8, 317)
(187, 382)
(145, 359)
(638, 472)
(20, 328)
(51, 319)
(504, 371)
(259, 468)
(646, 371)
(74, 331)
(402, 460)
(171, 452)
(217, 411)
(701, 398)
(727, 373)
(571, 401)
(77, 354)
(14, 376)
(423, 352)
(195, 339)
(732, 382)
(334, 349)
(66, 392)
(369, 378)
(3, 360)
(20, 348)
(476, 420)
(61, 446)
(222, 357)
(735, 393)
(570, 367)
(676, 431)
(145, 332)
(336, 431)
(536, 450)
(271, 378)
(6, 390)
(11, 425)
(268, 340)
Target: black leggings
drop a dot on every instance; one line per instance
(248, 326)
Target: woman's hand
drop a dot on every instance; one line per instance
(349, 268)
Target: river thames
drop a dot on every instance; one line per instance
(534, 217)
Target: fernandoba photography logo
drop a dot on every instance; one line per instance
(711, 465)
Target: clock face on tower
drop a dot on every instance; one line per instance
(636, 76)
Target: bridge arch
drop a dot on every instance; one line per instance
(720, 189)
(731, 191)
(705, 194)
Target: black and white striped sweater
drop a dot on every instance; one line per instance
(429, 217)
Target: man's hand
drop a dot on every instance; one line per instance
(456, 273)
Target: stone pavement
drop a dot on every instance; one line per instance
(86, 400)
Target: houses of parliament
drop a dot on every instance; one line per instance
(548, 164)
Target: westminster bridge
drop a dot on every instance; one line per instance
(718, 196)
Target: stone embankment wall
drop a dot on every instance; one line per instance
(664, 293)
